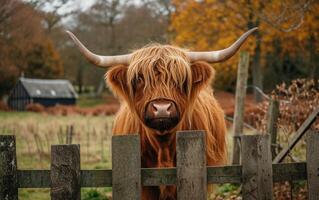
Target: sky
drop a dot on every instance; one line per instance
(73, 5)
(80, 4)
(84, 4)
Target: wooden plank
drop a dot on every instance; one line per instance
(225, 174)
(150, 177)
(163, 176)
(34, 178)
(126, 167)
(191, 165)
(41, 178)
(256, 167)
(238, 125)
(313, 164)
(8, 168)
(96, 178)
(289, 172)
(271, 129)
(158, 176)
(65, 172)
(300, 132)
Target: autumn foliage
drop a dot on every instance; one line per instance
(297, 101)
(285, 46)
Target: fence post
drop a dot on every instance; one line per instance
(8, 168)
(126, 167)
(65, 172)
(241, 85)
(256, 167)
(191, 165)
(313, 164)
(272, 118)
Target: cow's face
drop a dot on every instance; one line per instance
(160, 85)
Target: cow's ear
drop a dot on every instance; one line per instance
(202, 75)
(116, 79)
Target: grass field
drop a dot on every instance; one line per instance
(35, 133)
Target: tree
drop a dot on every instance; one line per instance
(213, 24)
(8, 8)
(21, 32)
(53, 11)
(43, 61)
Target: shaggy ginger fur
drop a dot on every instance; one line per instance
(163, 71)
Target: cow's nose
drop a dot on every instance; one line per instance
(162, 109)
(161, 114)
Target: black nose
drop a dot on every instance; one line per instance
(161, 114)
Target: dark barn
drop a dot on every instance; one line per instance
(42, 91)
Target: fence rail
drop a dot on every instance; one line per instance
(256, 173)
(163, 176)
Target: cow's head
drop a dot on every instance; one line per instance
(160, 82)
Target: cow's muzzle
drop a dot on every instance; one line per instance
(161, 114)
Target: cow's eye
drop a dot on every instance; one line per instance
(138, 82)
(140, 79)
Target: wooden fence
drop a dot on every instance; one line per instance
(256, 173)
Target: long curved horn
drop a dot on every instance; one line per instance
(102, 61)
(221, 55)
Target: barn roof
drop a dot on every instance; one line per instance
(45, 88)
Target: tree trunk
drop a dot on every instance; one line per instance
(254, 21)
(100, 87)
(313, 66)
(256, 70)
(79, 78)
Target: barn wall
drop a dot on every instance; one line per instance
(52, 102)
(18, 98)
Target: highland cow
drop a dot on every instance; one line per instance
(164, 89)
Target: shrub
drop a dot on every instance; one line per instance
(4, 106)
(297, 101)
(35, 107)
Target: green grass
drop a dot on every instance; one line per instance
(226, 190)
(86, 194)
(96, 194)
(86, 102)
(36, 194)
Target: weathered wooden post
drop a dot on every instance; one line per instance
(65, 172)
(126, 167)
(8, 168)
(313, 164)
(256, 167)
(241, 85)
(191, 165)
(272, 118)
